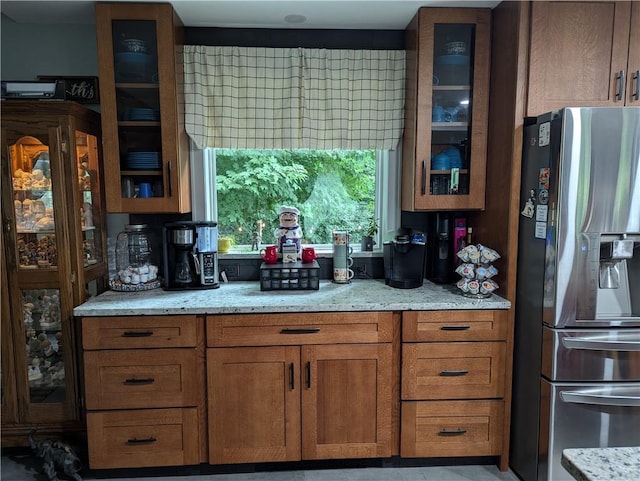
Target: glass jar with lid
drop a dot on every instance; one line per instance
(135, 270)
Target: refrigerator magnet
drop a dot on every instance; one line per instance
(529, 206)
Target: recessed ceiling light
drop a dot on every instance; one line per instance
(295, 18)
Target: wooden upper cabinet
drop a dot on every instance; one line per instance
(446, 109)
(583, 54)
(140, 63)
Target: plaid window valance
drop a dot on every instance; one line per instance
(288, 98)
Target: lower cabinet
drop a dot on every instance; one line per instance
(294, 387)
(453, 378)
(144, 384)
(252, 388)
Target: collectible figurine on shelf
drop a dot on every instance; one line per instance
(289, 230)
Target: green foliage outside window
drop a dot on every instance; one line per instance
(333, 190)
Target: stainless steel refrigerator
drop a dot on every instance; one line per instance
(576, 373)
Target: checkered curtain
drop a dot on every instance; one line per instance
(289, 98)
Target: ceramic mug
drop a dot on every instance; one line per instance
(342, 275)
(270, 254)
(451, 114)
(438, 114)
(340, 237)
(308, 254)
(224, 244)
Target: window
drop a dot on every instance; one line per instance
(243, 189)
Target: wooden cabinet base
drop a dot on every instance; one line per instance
(143, 438)
(451, 428)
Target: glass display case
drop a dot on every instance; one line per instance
(445, 141)
(54, 244)
(146, 147)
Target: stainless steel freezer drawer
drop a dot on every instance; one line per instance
(585, 415)
(591, 355)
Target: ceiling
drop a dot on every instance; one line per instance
(319, 14)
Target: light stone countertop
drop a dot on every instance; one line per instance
(602, 464)
(246, 297)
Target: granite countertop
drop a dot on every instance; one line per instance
(602, 464)
(246, 297)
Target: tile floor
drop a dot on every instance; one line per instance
(22, 466)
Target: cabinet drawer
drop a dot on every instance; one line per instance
(141, 379)
(451, 428)
(143, 438)
(297, 329)
(435, 326)
(459, 370)
(138, 332)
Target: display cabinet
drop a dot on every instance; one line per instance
(446, 109)
(54, 252)
(145, 145)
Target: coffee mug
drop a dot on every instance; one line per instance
(224, 244)
(270, 254)
(145, 190)
(340, 237)
(308, 254)
(437, 114)
(342, 256)
(451, 114)
(342, 275)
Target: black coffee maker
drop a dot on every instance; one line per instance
(190, 255)
(404, 259)
(440, 268)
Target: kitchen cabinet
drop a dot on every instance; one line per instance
(54, 258)
(143, 386)
(446, 109)
(285, 387)
(140, 67)
(583, 54)
(453, 383)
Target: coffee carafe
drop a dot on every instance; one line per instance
(190, 254)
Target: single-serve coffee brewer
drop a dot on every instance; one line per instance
(404, 260)
(190, 255)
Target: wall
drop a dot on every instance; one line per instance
(29, 50)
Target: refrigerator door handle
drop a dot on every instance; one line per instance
(600, 344)
(587, 397)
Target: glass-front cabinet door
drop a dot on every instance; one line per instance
(53, 252)
(146, 149)
(445, 139)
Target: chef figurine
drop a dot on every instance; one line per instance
(289, 230)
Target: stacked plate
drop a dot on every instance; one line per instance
(138, 114)
(142, 160)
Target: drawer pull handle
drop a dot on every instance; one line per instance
(457, 372)
(308, 369)
(148, 380)
(136, 441)
(292, 384)
(301, 330)
(137, 333)
(461, 327)
(452, 432)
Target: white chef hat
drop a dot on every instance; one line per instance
(286, 208)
